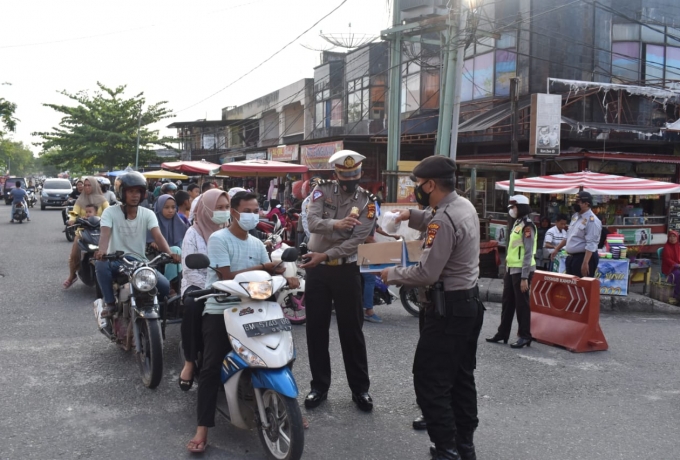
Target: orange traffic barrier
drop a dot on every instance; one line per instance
(565, 311)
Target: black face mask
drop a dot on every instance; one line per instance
(422, 198)
(349, 186)
(577, 207)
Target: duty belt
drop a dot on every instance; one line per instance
(341, 261)
(464, 294)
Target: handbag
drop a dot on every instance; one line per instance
(663, 290)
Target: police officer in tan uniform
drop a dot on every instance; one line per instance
(444, 364)
(340, 217)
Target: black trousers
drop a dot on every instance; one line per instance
(340, 285)
(215, 347)
(574, 262)
(443, 370)
(192, 325)
(515, 300)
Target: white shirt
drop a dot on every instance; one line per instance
(193, 244)
(128, 235)
(553, 236)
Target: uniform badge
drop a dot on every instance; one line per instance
(349, 162)
(592, 218)
(316, 195)
(527, 232)
(371, 211)
(432, 230)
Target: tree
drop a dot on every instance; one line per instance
(16, 157)
(7, 119)
(101, 130)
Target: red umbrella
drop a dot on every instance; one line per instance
(260, 168)
(195, 167)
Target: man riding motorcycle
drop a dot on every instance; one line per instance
(124, 228)
(18, 196)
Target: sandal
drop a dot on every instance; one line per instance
(197, 449)
(185, 385)
(68, 283)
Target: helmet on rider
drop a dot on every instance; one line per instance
(127, 181)
(169, 187)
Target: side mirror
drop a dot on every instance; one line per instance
(289, 255)
(197, 261)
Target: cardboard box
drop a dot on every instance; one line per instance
(375, 257)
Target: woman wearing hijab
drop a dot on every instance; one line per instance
(173, 230)
(91, 196)
(212, 214)
(670, 261)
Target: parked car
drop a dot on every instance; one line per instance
(55, 192)
(10, 183)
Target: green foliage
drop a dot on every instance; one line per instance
(101, 131)
(7, 119)
(16, 157)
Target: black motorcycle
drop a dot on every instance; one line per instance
(19, 213)
(70, 230)
(88, 245)
(137, 321)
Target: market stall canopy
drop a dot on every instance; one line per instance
(164, 175)
(192, 167)
(595, 183)
(260, 168)
(118, 173)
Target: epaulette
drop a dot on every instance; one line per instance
(325, 182)
(370, 196)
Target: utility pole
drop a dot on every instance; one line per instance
(455, 118)
(139, 124)
(514, 152)
(394, 107)
(444, 134)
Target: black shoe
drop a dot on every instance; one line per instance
(465, 446)
(445, 454)
(521, 342)
(419, 423)
(496, 339)
(109, 310)
(185, 385)
(363, 401)
(314, 398)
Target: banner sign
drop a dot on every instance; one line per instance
(405, 190)
(546, 117)
(497, 232)
(612, 273)
(316, 156)
(636, 236)
(256, 156)
(284, 153)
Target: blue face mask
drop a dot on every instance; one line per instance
(248, 221)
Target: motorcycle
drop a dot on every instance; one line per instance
(409, 300)
(19, 213)
(70, 231)
(381, 293)
(136, 322)
(31, 200)
(259, 385)
(88, 245)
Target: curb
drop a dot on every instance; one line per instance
(491, 290)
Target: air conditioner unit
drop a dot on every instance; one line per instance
(417, 9)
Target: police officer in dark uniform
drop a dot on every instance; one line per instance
(445, 360)
(340, 217)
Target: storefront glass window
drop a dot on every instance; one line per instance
(466, 85)
(483, 76)
(626, 60)
(410, 93)
(430, 96)
(506, 68)
(336, 112)
(654, 62)
(672, 64)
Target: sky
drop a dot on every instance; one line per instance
(175, 51)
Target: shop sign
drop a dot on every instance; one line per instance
(612, 273)
(497, 232)
(316, 156)
(256, 156)
(405, 190)
(636, 236)
(546, 117)
(284, 153)
(655, 168)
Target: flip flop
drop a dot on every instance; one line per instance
(68, 283)
(197, 449)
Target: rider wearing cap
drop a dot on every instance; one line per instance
(341, 215)
(520, 266)
(582, 238)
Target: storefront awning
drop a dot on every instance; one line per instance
(595, 183)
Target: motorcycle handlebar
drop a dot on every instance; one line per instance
(199, 293)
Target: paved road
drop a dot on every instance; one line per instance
(66, 393)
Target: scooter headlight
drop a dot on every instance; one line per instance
(144, 279)
(259, 290)
(246, 354)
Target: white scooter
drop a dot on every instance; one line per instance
(259, 385)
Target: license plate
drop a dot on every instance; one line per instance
(267, 327)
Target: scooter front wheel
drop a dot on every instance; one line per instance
(284, 439)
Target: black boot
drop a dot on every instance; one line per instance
(419, 423)
(465, 446)
(444, 453)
